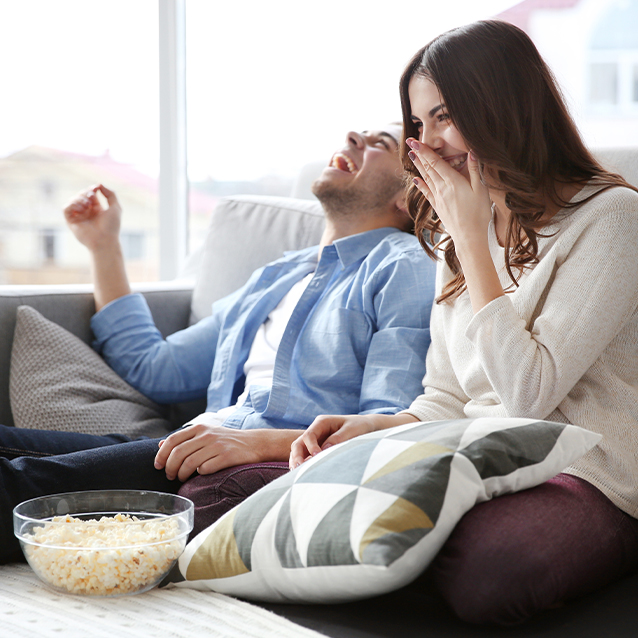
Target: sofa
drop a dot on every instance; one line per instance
(246, 232)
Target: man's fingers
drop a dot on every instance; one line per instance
(303, 448)
(167, 445)
(196, 461)
(298, 452)
(111, 198)
(182, 459)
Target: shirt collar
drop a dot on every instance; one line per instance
(355, 247)
(349, 249)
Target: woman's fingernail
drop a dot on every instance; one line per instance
(416, 181)
(472, 156)
(412, 143)
(412, 155)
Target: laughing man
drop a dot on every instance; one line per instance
(339, 328)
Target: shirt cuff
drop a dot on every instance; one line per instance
(121, 313)
(206, 418)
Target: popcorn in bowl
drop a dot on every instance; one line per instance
(125, 544)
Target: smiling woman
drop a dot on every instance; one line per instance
(524, 213)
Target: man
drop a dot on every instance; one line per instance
(339, 328)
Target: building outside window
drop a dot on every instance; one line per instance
(133, 245)
(603, 83)
(82, 111)
(613, 66)
(49, 243)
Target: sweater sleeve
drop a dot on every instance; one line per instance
(591, 293)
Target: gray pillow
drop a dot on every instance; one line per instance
(58, 382)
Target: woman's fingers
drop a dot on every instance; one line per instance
(300, 450)
(478, 186)
(312, 441)
(433, 168)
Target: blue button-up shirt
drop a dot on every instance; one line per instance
(355, 342)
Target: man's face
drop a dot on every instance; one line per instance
(364, 176)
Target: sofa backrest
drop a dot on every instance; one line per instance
(246, 232)
(620, 160)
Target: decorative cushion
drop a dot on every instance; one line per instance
(58, 382)
(367, 516)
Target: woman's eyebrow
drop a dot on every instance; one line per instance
(435, 110)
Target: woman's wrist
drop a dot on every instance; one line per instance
(385, 421)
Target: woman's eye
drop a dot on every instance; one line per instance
(443, 117)
(383, 143)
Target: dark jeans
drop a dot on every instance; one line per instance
(39, 462)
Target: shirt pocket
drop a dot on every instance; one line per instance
(338, 340)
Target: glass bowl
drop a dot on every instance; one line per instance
(103, 543)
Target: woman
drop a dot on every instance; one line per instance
(536, 316)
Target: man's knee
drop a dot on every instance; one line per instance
(215, 494)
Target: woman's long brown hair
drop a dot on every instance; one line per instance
(504, 101)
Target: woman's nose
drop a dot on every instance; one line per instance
(430, 137)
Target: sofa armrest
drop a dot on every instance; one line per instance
(72, 306)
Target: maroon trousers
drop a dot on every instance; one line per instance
(507, 559)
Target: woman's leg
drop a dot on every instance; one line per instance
(522, 553)
(118, 466)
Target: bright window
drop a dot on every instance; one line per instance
(271, 87)
(80, 106)
(274, 86)
(603, 83)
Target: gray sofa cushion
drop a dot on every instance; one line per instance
(58, 382)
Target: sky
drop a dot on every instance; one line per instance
(271, 85)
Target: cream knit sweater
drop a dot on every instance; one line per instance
(563, 346)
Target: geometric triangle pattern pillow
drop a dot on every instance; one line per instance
(58, 382)
(368, 515)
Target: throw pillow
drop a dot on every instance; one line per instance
(57, 382)
(367, 516)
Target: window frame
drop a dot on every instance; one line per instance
(173, 178)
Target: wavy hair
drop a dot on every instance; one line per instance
(505, 102)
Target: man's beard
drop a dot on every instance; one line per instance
(348, 200)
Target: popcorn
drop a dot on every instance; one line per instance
(110, 556)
